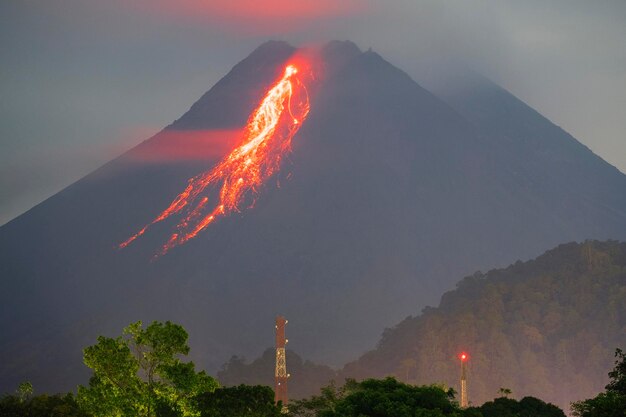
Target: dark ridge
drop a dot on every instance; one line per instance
(229, 102)
(346, 49)
(526, 327)
(271, 47)
(337, 54)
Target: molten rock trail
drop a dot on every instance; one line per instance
(266, 140)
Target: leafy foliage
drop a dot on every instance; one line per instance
(25, 390)
(140, 374)
(505, 392)
(618, 374)
(239, 401)
(59, 405)
(326, 402)
(611, 403)
(378, 398)
(544, 328)
(526, 407)
(388, 397)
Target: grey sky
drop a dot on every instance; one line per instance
(83, 80)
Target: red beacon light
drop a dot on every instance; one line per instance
(464, 356)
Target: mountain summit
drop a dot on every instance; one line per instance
(387, 195)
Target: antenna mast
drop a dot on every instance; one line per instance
(281, 375)
(464, 357)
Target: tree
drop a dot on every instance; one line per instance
(58, 405)
(379, 398)
(527, 407)
(618, 374)
(611, 403)
(534, 407)
(239, 401)
(325, 403)
(499, 407)
(505, 392)
(24, 390)
(139, 374)
(605, 404)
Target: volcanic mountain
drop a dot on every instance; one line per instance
(388, 194)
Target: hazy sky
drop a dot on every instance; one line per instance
(83, 80)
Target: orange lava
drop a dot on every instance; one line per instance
(266, 140)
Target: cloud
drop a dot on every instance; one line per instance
(250, 16)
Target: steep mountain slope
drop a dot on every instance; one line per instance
(388, 194)
(546, 328)
(550, 161)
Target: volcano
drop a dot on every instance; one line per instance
(387, 194)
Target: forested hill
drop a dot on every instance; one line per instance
(546, 328)
(306, 377)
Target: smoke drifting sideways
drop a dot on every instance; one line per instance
(172, 146)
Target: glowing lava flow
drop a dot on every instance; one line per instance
(266, 139)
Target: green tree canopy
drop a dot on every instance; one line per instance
(24, 390)
(618, 374)
(526, 407)
(378, 398)
(239, 401)
(140, 374)
(611, 403)
(58, 405)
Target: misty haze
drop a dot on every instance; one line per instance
(419, 237)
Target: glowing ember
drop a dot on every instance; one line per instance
(267, 138)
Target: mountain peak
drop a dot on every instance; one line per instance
(272, 47)
(343, 47)
(229, 102)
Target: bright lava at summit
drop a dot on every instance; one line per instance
(266, 139)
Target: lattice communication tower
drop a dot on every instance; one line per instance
(464, 401)
(281, 376)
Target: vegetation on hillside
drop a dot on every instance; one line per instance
(545, 327)
(306, 376)
(58, 405)
(239, 401)
(612, 402)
